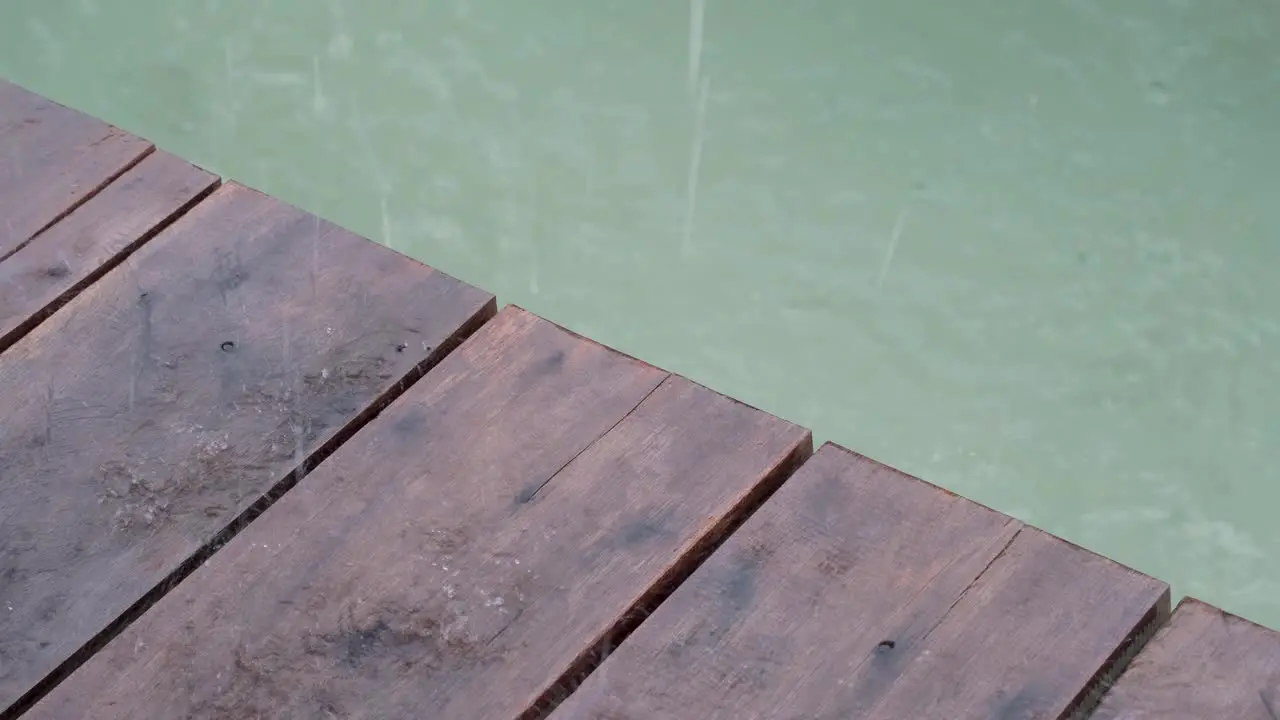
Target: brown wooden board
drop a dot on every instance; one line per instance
(78, 250)
(211, 367)
(859, 592)
(462, 554)
(1205, 664)
(52, 158)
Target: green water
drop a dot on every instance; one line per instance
(1024, 250)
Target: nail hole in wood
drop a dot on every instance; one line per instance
(886, 645)
(228, 345)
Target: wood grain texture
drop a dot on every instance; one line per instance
(460, 555)
(1206, 663)
(208, 369)
(84, 245)
(52, 158)
(860, 592)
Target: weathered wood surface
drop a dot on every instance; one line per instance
(1205, 664)
(859, 592)
(148, 413)
(52, 158)
(477, 542)
(84, 245)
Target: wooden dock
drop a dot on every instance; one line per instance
(253, 465)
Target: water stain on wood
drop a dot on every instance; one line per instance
(648, 525)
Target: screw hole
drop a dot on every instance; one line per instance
(228, 345)
(886, 645)
(401, 347)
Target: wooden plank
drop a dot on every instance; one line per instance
(463, 553)
(212, 367)
(52, 158)
(860, 592)
(75, 252)
(1206, 663)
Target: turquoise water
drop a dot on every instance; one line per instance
(1026, 251)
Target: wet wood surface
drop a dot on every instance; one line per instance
(52, 158)
(860, 592)
(80, 248)
(500, 541)
(478, 544)
(210, 368)
(1206, 663)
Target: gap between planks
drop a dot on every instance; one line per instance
(76, 204)
(590, 659)
(113, 261)
(1090, 697)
